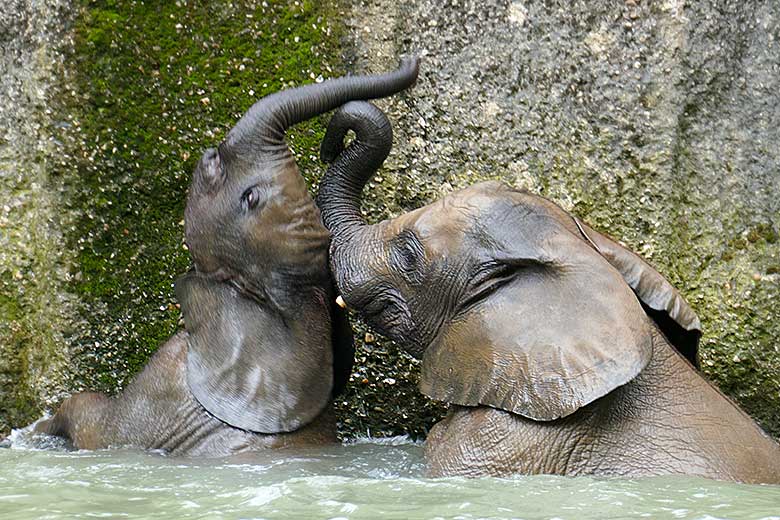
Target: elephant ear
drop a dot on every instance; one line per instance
(552, 329)
(662, 301)
(249, 367)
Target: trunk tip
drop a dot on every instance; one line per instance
(411, 65)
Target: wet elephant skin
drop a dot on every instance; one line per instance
(181, 426)
(643, 428)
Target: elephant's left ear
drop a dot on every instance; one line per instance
(662, 301)
(248, 366)
(552, 329)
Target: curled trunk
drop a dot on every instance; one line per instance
(351, 168)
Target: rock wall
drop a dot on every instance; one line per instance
(36, 307)
(655, 122)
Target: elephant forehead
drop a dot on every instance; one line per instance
(449, 216)
(289, 213)
(485, 211)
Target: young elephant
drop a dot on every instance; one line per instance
(264, 348)
(561, 351)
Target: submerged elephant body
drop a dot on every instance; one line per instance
(559, 350)
(158, 411)
(265, 348)
(668, 420)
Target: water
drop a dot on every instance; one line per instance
(368, 479)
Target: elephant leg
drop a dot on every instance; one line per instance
(80, 419)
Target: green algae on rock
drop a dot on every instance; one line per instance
(655, 122)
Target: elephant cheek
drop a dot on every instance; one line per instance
(413, 345)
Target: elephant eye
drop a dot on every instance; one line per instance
(386, 312)
(250, 197)
(408, 255)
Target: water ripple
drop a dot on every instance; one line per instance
(363, 480)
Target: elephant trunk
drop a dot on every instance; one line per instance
(263, 127)
(340, 189)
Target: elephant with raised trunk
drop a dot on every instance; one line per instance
(559, 350)
(265, 348)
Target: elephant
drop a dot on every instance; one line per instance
(264, 348)
(558, 350)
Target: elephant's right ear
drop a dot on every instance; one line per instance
(551, 329)
(248, 366)
(663, 302)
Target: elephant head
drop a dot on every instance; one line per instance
(258, 304)
(510, 301)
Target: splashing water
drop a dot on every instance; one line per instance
(366, 479)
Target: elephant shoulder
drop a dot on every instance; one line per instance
(166, 367)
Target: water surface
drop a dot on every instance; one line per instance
(368, 479)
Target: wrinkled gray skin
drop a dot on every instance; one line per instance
(157, 410)
(265, 347)
(561, 351)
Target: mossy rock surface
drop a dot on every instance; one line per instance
(655, 122)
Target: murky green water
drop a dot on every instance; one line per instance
(365, 480)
